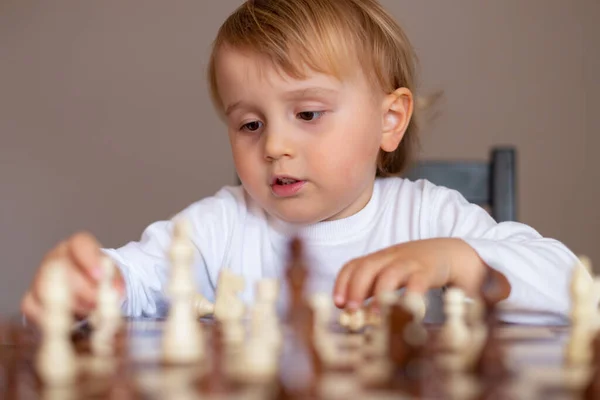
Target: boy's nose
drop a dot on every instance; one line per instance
(277, 145)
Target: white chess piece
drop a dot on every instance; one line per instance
(233, 334)
(454, 335)
(587, 263)
(56, 359)
(259, 363)
(265, 322)
(595, 303)
(580, 289)
(416, 304)
(386, 300)
(322, 307)
(380, 335)
(181, 255)
(267, 290)
(202, 306)
(594, 291)
(582, 313)
(108, 314)
(227, 304)
(183, 340)
(354, 321)
(182, 231)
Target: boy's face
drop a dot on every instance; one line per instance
(305, 150)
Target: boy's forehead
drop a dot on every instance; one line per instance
(236, 63)
(236, 67)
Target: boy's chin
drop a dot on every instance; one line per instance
(296, 215)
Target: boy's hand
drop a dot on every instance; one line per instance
(80, 254)
(418, 266)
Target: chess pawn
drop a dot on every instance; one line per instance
(182, 339)
(375, 314)
(406, 337)
(380, 336)
(103, 339)
(454, 335)
(385, 301)
(56, 359)
(181, 255)
(475, 319)
(354, 321)
(415, 303)
(108, 314)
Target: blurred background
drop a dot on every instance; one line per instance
(106, 123)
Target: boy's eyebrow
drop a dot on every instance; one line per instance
(291, 95)
(232, 107)
(308, 92)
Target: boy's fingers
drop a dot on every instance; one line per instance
(84, 291)
(31, 308)
(119, 281)
(345, 277)
(34, 311)
(361, 283)
(341, 283)
(418, 283)
(390, 279)
(84, 250)
(81, 307)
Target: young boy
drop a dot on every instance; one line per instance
(319, 101)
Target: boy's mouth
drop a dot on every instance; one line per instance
(284, 180)
(286, 186)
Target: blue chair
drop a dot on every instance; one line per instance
(490, 184)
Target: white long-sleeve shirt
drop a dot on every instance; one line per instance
(231, 230)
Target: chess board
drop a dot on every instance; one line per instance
(533, 354)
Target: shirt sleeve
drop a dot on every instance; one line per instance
(144, 264)
(538, 269)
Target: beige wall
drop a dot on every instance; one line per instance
(105, 122)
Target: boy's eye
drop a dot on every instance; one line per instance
(252, 126)
(310, 115)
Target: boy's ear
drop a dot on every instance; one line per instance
(397, 112)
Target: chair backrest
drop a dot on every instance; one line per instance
(490, 184)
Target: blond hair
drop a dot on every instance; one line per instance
(327, 36)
